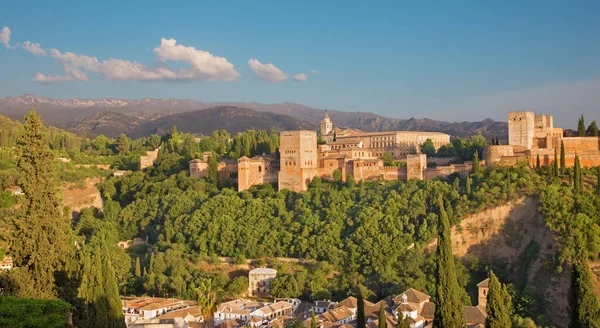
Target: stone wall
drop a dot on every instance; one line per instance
(148, 160)
(493, 155)
(581, 144)
(416, 166)
(254, 171)
(443, 171)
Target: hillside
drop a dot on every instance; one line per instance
(84, 114)
(107, 123)
(232, 119)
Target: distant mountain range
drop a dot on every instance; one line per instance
(149, 115)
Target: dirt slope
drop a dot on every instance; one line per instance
(77, 198)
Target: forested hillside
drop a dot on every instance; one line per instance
(374, 235)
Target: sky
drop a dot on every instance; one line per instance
(445, 60)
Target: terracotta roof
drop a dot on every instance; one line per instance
(350, 302)
(165, 303)
(338, 314)
(415, 296)
(474, 314)
(272, 308)
(230, 323)
(484, 283)
(428, 310)
(406, 308)
(194, 311)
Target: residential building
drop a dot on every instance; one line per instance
(259, 281)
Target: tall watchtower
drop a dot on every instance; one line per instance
(298, 159)
(326, 125)
(521, 129)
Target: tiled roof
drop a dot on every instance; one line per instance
(272, 308)
(194, 311)
(415, 296)
(338, 314)
(484, 283)
(474, 314)
(428, 310)
(350, 302)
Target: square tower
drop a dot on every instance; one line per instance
(298, 159)
(521, 129)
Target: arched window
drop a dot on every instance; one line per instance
(259, 168)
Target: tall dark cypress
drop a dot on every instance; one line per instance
(382, 317)
(41, 242)
(537, 162)
(576, 175)
(598, 183)
(360, 311)
(563, 158)
(584, 310)
(497, 305)
(138, 268)
(212, 173)
(555, 162)
(403, 322)
(114, 310)
(476, 166)
(449, 308)
(313, 320)
(581, 127)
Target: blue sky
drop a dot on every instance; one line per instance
(451, 60)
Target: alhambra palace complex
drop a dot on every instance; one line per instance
(351, 151)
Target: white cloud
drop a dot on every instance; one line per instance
(204, 66)
(313, 71)
(267, 72)
(5, 36)
(300, 77)
(34, 48)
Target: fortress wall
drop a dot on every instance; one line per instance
(444, 171)
(581, 144)
(493, 155)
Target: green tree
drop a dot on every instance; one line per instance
(592, 130)
(468, 185)
(581, 127)
(138, 269)
(598, 182)
(497, 308)
(387, 158)
(382, 317)
(403, 322)
(577, 187)
(313, 320)
(428, 148)
(360, 310)
(41, 241)
(207, 298)
(122, 144)
(476, 165)
(537, 162)
(555, 162)
(584, 310)
(212, 173)
(99, 290)
(563, 158)
(33, 313)
(449, 308)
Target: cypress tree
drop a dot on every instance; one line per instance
(563, 158)
(592, 130)
(598, 183)
(91, 291)
(360, 311)
(498, 315)
(212, 176)
(122, 144)
(581, 127)
(382, 317)
(449, 308)
(313, 320)
(576, 175)
(468, 185)
(537, 162)
(403, 323)
(584, 310)
(555, 162)
(138, 269)
(476, 166)
(41, 240)
(114, 310)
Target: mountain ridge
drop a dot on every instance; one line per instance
(81, 115)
